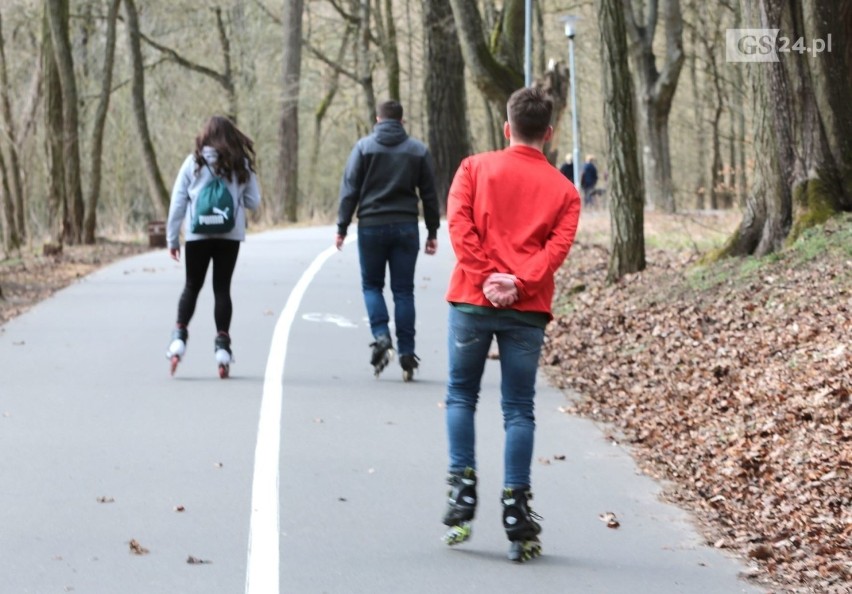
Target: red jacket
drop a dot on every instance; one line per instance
(510, 211)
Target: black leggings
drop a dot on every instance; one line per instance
(197, 256)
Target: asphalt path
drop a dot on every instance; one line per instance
(302, 473)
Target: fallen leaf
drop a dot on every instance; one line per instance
(610, 520)
(137, 549)
(180, 508)
(105, 499)
(196, 561)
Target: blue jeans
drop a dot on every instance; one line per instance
(520, 346)
(393, 246)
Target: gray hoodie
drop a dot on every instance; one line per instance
(186, 189)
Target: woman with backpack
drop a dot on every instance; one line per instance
(215, 186)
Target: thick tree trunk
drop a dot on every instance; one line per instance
(289, 130)
(698, 122)
(91, 221)
(803, 128)
(627, 242)
(655, 90)
(364, 68)
(446, 100)
(57, 17)
(387, 41)
(158, 192)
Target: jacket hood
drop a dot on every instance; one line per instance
(389, 132)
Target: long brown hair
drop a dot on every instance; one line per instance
(236, 150)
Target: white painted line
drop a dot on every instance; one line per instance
(262, 575)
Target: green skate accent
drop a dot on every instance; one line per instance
(458, 534)
(524, 550)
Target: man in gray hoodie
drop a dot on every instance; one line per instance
(387, 175)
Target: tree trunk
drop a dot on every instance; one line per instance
(698, 122)
(655, 92)
(627, 242)
(289, 130)
(446, 100)
(158, 192)
(803, 128)
(387, 42)
(364, 69)
(13, 192)
(57, 211)
(91, 221)
(57, 17)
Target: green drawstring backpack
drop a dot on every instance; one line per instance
(215, 211)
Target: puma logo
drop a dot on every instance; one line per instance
(223, 213)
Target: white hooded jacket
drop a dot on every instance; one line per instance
(185, 192)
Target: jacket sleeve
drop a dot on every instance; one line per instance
(350, 189)
(426, 184)
(179, 203)
(251, 192)
(464, 235)
(539, 270)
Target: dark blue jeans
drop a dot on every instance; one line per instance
(468, 341)
(391, 247)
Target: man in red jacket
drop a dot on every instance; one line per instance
(512, 218)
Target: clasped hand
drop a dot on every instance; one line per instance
(499, 288)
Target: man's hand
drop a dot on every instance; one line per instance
(431, 246)
(174, 253)
(338, 241)
(499, 288)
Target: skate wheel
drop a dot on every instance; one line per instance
(173, 363)
(524, 550)
(224, 371)
(407, 375)
(457, 534)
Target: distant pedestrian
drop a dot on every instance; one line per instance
(387, 176)
(588, 180)
(512, 219)
(567, 167)
(222, 154)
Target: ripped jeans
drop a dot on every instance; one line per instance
(469, 340)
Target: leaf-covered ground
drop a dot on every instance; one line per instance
(732, 382)
(27, 279)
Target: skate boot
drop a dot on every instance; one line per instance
(223, 354)
(409, 363)
(382, 354)
(521, 526)
(461, 506)
(177, 348)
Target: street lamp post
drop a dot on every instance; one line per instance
(570, 30)
(528, 43)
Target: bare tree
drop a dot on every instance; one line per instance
(655, 90)
(803, 127)
(627, 242)
(289, 128)
(159, 193)
(57, 19)
(90, 223)
(386, 33)
(12, 192)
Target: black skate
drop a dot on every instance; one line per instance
(461, 506)
(521, 526)
(222, 348)
(409, 363)
(382, 354)
(177, 348)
